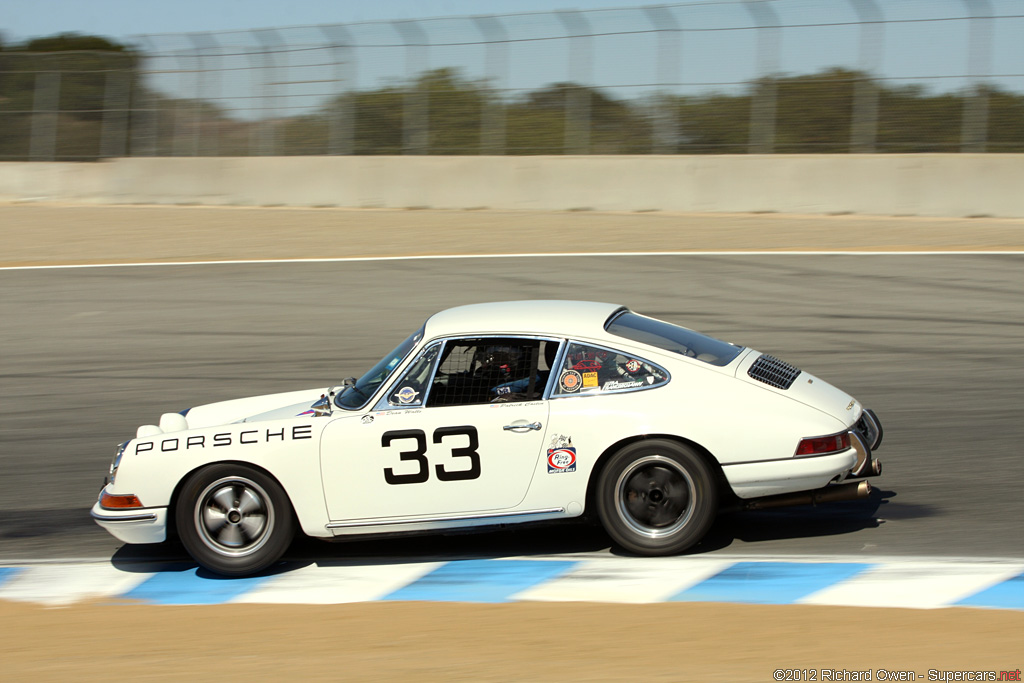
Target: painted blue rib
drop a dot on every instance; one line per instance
(1009, 595)
(481, 580)
(774, 583)
(192, 587)
(7, 573)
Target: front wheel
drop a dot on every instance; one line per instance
(233, 519)
(656, 497)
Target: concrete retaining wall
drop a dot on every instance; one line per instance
(890, 184)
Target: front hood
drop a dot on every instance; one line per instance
(254, 408)
(786, 380)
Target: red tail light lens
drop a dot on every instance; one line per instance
(822, 445)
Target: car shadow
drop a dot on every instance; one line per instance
(569, 538)
(798, 521)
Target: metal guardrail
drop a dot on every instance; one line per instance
(698, 77)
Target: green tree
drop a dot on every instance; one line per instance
(82, 74)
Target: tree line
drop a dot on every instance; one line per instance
(96, 95)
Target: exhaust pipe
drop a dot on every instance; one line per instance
(829, 494)
(866, 466)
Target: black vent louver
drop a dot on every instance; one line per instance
(774, 372)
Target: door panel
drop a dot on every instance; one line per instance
(432, 461)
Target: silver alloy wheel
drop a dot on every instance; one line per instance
(234, 516)
(655, 496)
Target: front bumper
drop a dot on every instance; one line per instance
(136, 525)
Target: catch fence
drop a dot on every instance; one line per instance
(745, 76)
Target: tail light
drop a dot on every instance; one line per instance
(823, 445)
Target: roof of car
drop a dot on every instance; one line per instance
(543, 317)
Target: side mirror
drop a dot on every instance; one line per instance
(340, 389)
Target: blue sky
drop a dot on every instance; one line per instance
(21, 19)
(926, 53)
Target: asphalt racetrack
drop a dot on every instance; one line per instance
(931, 342)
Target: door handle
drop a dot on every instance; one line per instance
(522, 428)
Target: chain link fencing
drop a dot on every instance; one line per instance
(732, 77)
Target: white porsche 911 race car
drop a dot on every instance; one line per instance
(495, 414)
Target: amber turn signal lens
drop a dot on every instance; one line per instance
(124, 501)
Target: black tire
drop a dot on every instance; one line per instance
(234, 520)
(656, 497)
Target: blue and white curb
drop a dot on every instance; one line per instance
(907, 583)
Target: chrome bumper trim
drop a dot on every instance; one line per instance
(150, 517)
(874, 428)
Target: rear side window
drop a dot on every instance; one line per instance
(673, 338)
(594, 370)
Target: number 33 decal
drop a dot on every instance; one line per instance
(420, 455)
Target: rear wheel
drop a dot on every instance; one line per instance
(656, 497)
(233, 519)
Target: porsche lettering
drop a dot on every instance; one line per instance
(245, 438)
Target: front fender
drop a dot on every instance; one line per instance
(288, 450)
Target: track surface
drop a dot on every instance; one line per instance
(931, 342)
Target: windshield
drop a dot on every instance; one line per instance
(673, 338)
(366, 386)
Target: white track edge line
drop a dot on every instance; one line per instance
(442, 257)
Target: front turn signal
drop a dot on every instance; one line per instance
(113, 502)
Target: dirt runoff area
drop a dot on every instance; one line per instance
(47, 234)
(504, 642)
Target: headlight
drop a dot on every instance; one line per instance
(116, 462)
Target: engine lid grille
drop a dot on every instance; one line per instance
(773, 372)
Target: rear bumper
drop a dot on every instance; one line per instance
(866, 437)
(772, 477)
(146, 525)
(791, 475)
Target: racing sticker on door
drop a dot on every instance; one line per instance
(561, 455)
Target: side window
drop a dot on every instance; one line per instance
(592, 370)
(492, 370)
(412, 388)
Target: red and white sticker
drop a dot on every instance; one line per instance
(561, 459)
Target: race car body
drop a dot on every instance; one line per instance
(498, 414)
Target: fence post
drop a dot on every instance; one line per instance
(762, 109)
(492, 133)
(340, 116)
(666, 127)
(183, 142)
(116, 93)
(45, 110)
(577, 101)
(974, 133)
(268, 40)
(206, 46)
(416, 119)
(143, 113)
(864, 127)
